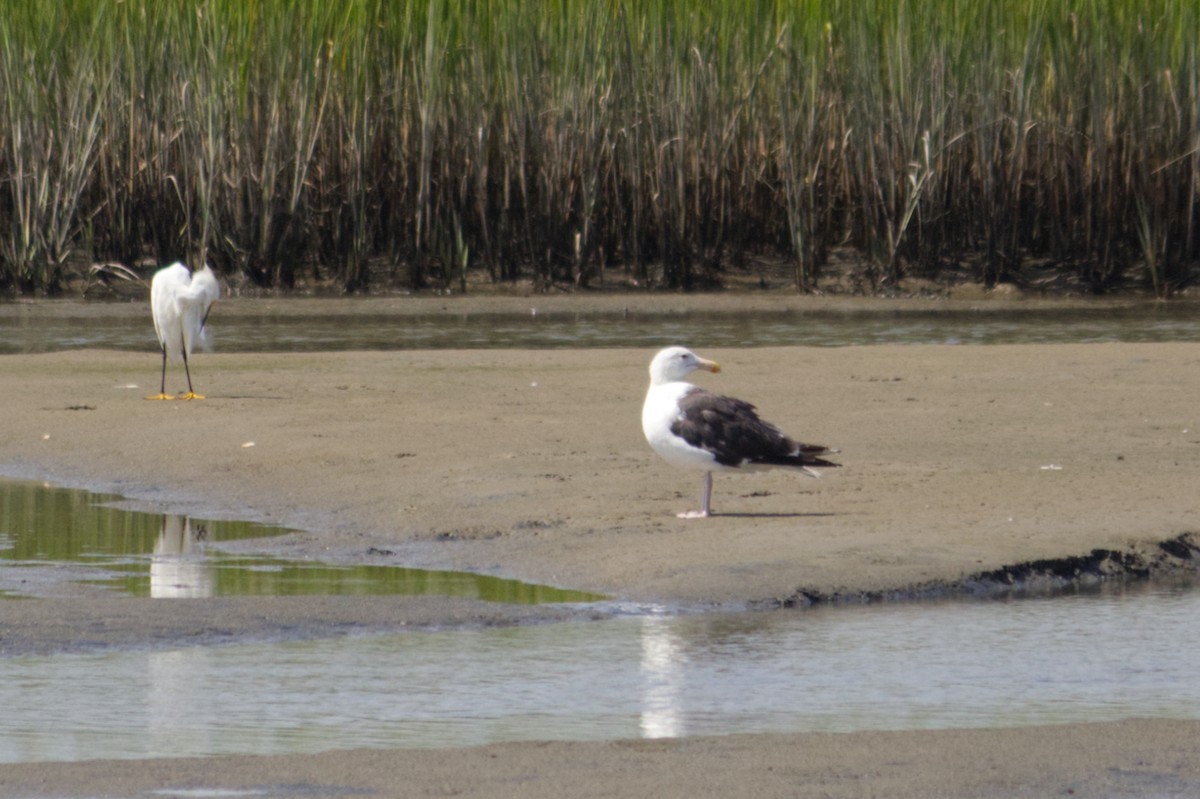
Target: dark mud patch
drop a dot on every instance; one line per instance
(1170, 559)
(52, 626)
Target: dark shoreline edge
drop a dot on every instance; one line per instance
(1173, 558)
(67, 626)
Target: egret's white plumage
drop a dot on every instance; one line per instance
(695, 429)
(181, 300)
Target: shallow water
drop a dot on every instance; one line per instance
(641, 674)
(913, 666)
(50, 534)
(51, 328)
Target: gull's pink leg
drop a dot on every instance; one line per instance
(705, 502)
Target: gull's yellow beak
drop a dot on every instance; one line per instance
(710, 366)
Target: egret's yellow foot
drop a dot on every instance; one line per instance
(191, 395)
(161, 396)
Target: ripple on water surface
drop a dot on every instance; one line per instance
(914, 666)
(48, 327)
(911, 666)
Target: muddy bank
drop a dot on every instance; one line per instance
(77, 626)
(1175, 559)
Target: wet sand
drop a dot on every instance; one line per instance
(1101, 761)
(957, 461)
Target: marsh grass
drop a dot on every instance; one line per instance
(663, 143)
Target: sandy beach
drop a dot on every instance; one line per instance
(961, 467)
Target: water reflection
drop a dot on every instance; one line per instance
(47, 328)
(41, 522)
(179, 567)
(920, 666)
(175, 685)
(663, 662)
(146, 554)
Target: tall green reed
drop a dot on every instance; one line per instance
(1012, 140)
(50, 106)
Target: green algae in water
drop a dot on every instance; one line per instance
(41, 523)
(168, 555)
(231, 575)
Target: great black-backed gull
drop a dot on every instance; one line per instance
(695, 429)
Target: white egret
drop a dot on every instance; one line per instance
(181, 301)
(695, 429)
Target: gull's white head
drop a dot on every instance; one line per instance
(676, 363)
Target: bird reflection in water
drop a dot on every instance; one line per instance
(663, 662)
(179, 567)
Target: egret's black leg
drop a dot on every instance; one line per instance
(162, 386)
(191, 394)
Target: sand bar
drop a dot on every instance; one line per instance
(530, 464)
